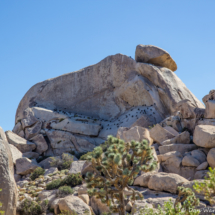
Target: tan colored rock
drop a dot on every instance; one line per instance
(171, 130)
(137, 134)
(40, 142)
(211, 158)
(25, 166)
(199, 154)
(160, 134)
(31, 155)
(156, 202)
(49, 195)
(209, 101)
(184, 137)
(189, 124)
(50, 171)
(78, 166)
(85, 198)
(128, 207)
(182, 148)
(202, 166)
(204, 136)
(19, 142)
(16, 154)
(17, 128)
(28, 118)
(30, 132)
(166, 182)
(201, 174)
(139, 206)
(154, 55)
(143, 180)
(98, 207)
(73, 204)
(189, 160)
(144, 121)
(82, 189)
(46, 163)
(21, 134)
(173, 121)
(8, 195)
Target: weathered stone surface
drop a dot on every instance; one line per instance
(201, 174)
(17, 177)
(154, 55)
(41, 143)
(85, 198)
(31, 155)
(159, 134)
(25, 166)
(75, 126)
(182, 148)
(137, 134)
(62, 141)
(184, 137)
(74, 204)
(199, 155)
(209, 101)
(143, 180)
(30, 132)
(105, 96)
(159, 201)
(21, 134)
(204, 136)
(49, 195)
(19, 142)
(17, 128)
(8, 195)
(189, 160)
(173, 121)
(171, 130)
(78, 166)
(144, 121)
(211, 158)
(189, 124)
(98, 207)
(202, 166)
(165, 182)
(139, 206)
(28, 118)
(16, 154)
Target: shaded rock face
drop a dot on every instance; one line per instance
(8, 195)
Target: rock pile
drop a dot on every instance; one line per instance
(131, 99)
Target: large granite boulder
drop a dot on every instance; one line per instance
(8, 195)
(154, 55)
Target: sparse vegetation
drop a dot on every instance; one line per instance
(60, 120)
(64, 191)
(36, 173)
(55, 184)
(30, 207)
(114, 169)
(62, 163)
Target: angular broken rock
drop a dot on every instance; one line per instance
(182, 148)
(78, 166)
(41, 143)
(25, 166)
(19, 142)
(154, 55)
(159, 134)
(189, 160)
(73, 204)
(166, 182)
(204, 136)
(184, 137)
(137, 134)
(16, 154)
(30, 132)
(17, 128)
(28, 118)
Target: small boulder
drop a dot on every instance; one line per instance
(204, 136)
(25, 166)
(189, 160)
(50, 171)
(85, 198)
(184, 138)
(201, 174)
(159, 134)
(73, 204)
(98, 207)
(182, 148)
(40, 142)
(166, 182)
(78, 166)
(16, 154)
(202, 166)
(49, 195)
(46, 163)
(30, 132)
(31, 155)
(154, 55)
(143, 180)
(211, 158)
(199, 155)
(19, 142)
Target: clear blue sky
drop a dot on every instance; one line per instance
(41, 39)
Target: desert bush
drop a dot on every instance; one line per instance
(207, 187)
(55, 184)
(64, 191)
(62, 163)
(185, 204)
(115, 168)
(30, 207)
(36, 173)
(72, 180)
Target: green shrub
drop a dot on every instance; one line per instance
(63, 163)
(36, 173)
(72, 180)
(30, 207)
(64, 191)
(54, 184)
